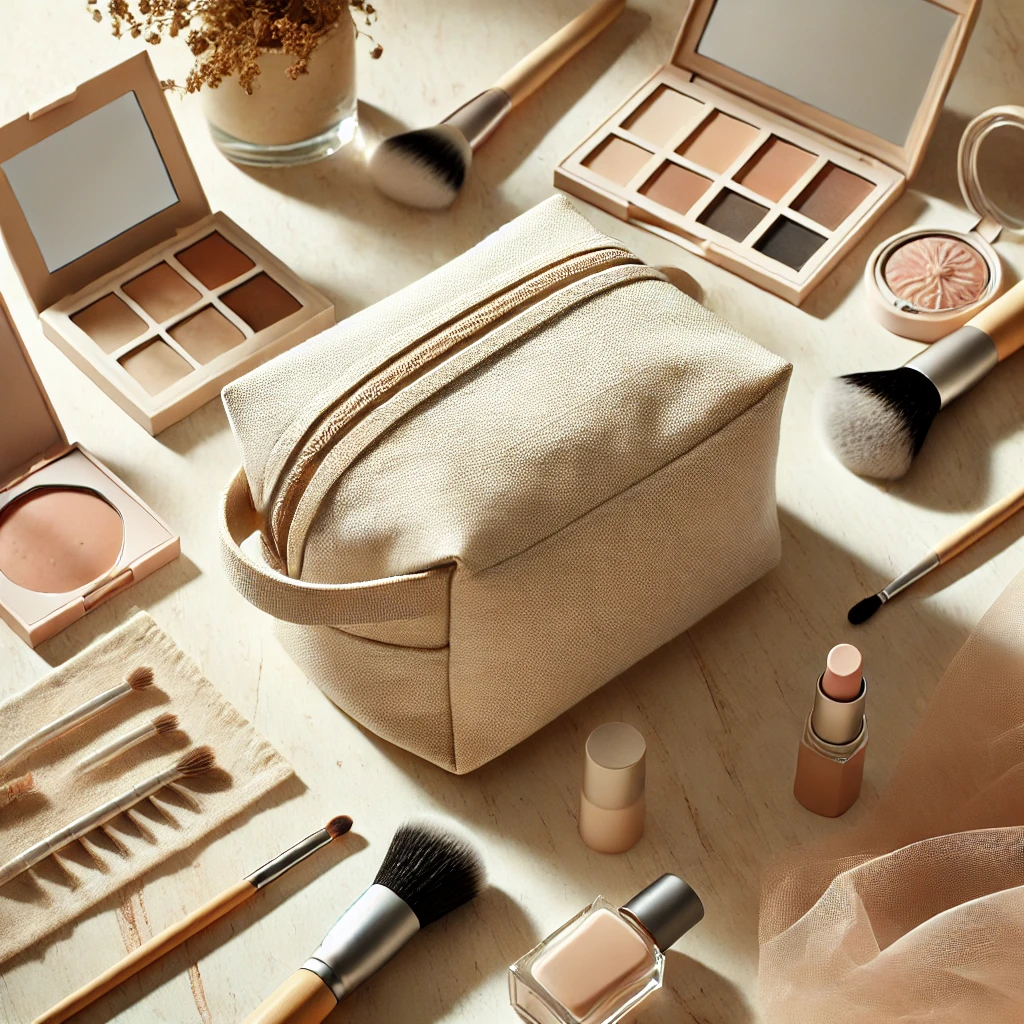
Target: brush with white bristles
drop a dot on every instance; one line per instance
(138, 679)
(160, 725)
(195, 762)
(427, 167)
(875, 423)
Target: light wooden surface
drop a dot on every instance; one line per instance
(722, 707)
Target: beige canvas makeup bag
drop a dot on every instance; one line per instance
(477, 501)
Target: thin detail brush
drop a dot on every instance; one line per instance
(160, 725)
(195, 762)
(875, 423)
(946, 550)
(173, 936)
(137, 679)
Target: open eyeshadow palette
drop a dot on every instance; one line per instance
(158, 300)
(779, 132)
(72, 534)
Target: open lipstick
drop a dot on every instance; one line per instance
(830, 764)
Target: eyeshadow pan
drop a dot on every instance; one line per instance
(214, 260)
(206, 335)
(617, 160)
(833, 195)
(790, 243)
(662, 115)
(261, 301)
(156, 366)
(733, 215)
(57, 539)
(161, 292)
(775, 169)
(110, 322)
(718, 142)
(675, 187)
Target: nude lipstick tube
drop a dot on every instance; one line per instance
(830, 765)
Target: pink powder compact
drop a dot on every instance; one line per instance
(925, 283)
(71, 534)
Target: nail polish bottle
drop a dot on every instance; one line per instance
(603, 962)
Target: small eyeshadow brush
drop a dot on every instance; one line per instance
(427, 873)
(427, 167)
(137, 679)
(173, 936)
(160, 725)
(946, 550)
(875, 423)
(195, 762)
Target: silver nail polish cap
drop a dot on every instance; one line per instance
(667, 909)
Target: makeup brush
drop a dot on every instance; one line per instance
(876, 422)
(946, 550)
(173, 936)
(137, 679)
(159, 726)
(427, 168)
(195, 762)
(12, 792)
(427, 873)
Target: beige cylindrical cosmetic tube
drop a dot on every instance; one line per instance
(612, 801)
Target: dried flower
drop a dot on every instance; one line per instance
(232, 33)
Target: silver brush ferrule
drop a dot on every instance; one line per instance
(909, 576)
(275, 868)
(363, 940)
(480, 116)
(957, 362)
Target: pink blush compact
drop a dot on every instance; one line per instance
(936, 272)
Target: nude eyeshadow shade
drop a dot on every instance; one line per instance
(261, 302)
(161, 292)
(206, 335)
(156, 366)
(719, 142)
(676, 187)
(54, 540)
(775, 169)
(662, 116)
(617, 160)
(110, 322)
(832, 196)
(936, 273)
(214, 260)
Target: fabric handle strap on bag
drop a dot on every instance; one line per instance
(374, 601)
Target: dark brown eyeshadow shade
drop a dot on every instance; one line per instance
(775, 168)
(789, 243)
(214, 260)
(156, 366)
(733, 215)
(832, 196)
(617, 160)
(206, 335)
(675, 187)
(110, 322)
(261, 301)
(161, 292)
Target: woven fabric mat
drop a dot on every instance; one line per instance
(63, 886)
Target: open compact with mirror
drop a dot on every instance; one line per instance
(71, 534)
(779, 132)
(158, 300)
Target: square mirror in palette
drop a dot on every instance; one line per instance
(160, 301)
(72, 534)
(779, 132)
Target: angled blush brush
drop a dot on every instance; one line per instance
(427, 873)
(138, 679)
(427, 167)
(946, 550)
(173, 936)
(875, 423)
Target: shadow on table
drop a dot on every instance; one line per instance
(695, 994)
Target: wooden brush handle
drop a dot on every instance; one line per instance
(537, 67)
(984, 522)
(302, 999)
(135, 961)
(1003, 321)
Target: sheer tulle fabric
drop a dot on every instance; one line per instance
(917, 914)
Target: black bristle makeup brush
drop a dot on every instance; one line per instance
(427, 873)
(427, 167)
(875, 423)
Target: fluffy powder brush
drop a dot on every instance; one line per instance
(876, 422)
